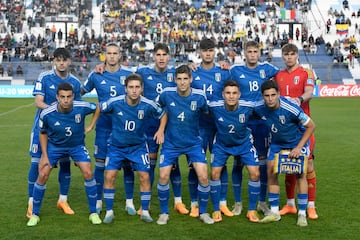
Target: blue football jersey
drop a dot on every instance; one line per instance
(47, 84)
(182, 129)
(155, 82)
(232, 130)
(107, 85)
(250, 80)
(286, 124)
(211, 81)
(66, 129)
(129, 122)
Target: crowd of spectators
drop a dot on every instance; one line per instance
(147, 20)
(139, 24)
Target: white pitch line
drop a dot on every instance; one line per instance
(15, 109)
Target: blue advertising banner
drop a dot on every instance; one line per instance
(25, 91)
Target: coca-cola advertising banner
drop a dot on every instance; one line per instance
(337, 90)
(324, 90)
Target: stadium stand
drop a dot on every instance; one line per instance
(31, 30)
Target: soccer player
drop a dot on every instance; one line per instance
(45, 95)
(156, 78)
(62, 135)
(183, 105)
(209, 77)
(111, 83)
(233, 137)
(129, 114)
(290, 129)
(250, 76)
(297, 84)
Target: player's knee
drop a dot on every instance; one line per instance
(87, 173)
(215, 174)
(310, 166)
(203, 179)
(254, 175)
(43, 177)
(144, 176)
(164, 177)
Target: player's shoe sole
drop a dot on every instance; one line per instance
(237, 208)
(109, 218)
(146, 218)
(253, 216)
(225, 210)
(262, 207)
(180, 207)
(205, 218)
(270, 218)
(216, 216)
(33, 221)
(163, 219)
(94, 219)
(312, 213)
(194, 212)
(130, 210)
(65, 207)
(288, 210)
(301, 221)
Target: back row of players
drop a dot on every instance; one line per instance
(111, 82)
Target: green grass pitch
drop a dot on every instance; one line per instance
(337, 168)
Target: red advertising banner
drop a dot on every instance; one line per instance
(339, 90)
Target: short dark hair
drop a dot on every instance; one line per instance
(231, 83)
(161, 46)
(289, 47)
(183, 69)
(206, 44)
(62, 53)
(132, 77)
(113, 44)
(65, 87)
(268, 85)
(251, 43)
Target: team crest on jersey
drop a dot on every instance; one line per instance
(122, 80)
(242, 118)
(161, 159)
(218, 77)
(296, 79)
(193, 105)
(141, 114)
(34, 148)
(282, 119)
(170, 77)
(78, 118)
(262, 74)
(38, 86)
(103, 105)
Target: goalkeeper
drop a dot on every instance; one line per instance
(290, 129)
